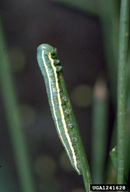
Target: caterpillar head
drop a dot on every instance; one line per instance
(47, 48)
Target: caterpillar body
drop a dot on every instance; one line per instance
(59, 101)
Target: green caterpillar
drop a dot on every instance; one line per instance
(59, 102)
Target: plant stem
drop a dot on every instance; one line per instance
(99, 131)
(121, 96)
(82, 154)
(14, 122)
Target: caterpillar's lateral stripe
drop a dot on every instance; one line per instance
(50, 68)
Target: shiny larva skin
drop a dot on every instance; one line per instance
(50, 67)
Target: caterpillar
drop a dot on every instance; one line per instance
(59, 101)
